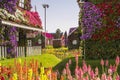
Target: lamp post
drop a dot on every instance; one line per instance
(45, 6)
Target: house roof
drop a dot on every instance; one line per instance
(22, 17)
(71, 30)
(54, 35)
(48, 35)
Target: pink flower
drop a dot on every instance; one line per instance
(106, 63)
(84, 67)
(96, 71)
(113, 68)
(103, 77)
(92, 75)
(117, 77)
(64, 71)
(109, 78)
(110, 71)
(89, 69)
(77, 72)
(102, 62)
(80, 74)
(117, 61)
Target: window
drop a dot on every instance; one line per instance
(21, 3)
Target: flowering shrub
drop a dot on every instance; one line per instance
(85, 72)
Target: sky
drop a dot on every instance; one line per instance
(61, 14)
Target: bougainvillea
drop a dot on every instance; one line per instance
(91, 19)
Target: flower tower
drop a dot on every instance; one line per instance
(100, 28)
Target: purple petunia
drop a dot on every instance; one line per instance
(91, 19)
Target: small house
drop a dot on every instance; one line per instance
(48, 37)
(73, 38)
(16, 22)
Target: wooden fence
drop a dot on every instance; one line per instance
(34, 50)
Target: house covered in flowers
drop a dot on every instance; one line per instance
(17, 25)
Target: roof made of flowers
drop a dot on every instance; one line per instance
(48, 35)
(22, 17)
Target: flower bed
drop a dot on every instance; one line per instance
(31, 71)
(34, 71)
(86, 72)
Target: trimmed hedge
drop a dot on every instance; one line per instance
(102, 49)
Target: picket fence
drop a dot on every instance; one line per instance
(34, 50)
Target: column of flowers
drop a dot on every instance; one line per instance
(101, 29)
(10, 6)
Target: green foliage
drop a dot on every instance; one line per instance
(102, 49)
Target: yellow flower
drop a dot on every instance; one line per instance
(30, 72)
(19, 60)
(42, 70)
(43, 77)
(15, 76)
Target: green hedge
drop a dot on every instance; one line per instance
(102, 49)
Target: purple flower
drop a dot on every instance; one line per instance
(91, 20)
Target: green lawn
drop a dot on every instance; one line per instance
(48, 60)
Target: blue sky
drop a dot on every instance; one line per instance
(62, 14)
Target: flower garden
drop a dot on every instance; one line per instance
(100, 39)
(33, 70)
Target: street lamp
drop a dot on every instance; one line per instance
(45, 6)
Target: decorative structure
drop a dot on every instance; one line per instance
(49, 39)
(16, 20)
(100, 28)
(73, 38)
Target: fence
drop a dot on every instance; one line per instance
(34, 50)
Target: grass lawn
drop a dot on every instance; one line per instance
(93, 63)
(48, 60)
